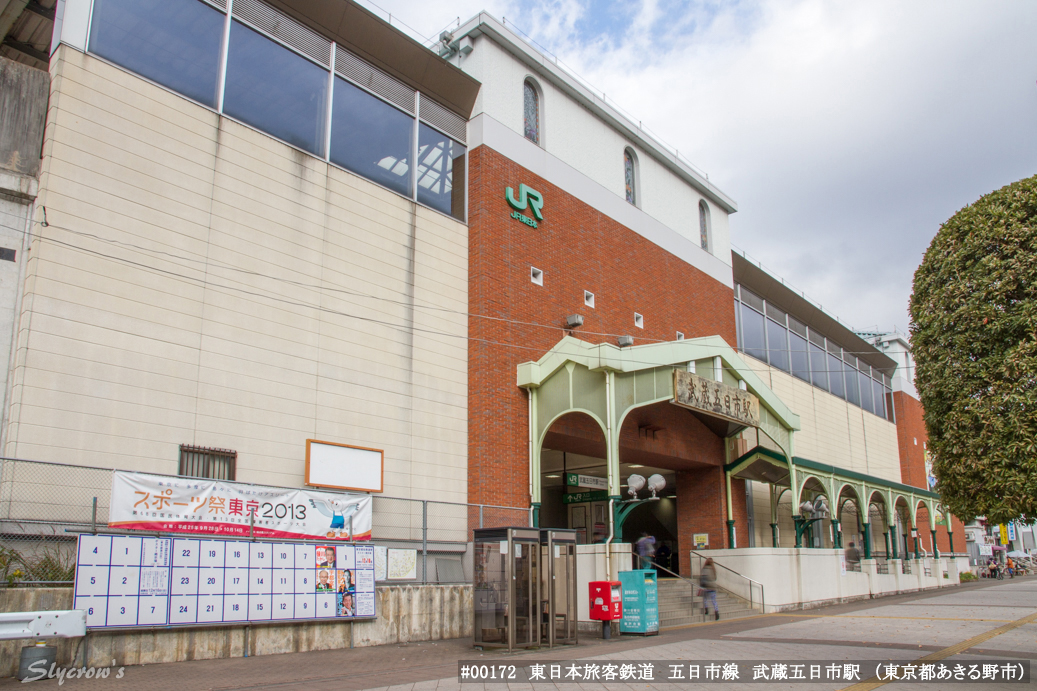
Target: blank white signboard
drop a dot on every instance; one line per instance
(343, 467)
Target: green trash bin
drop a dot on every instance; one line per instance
(640, 602)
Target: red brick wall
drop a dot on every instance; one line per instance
(911, 438)
(578, 249)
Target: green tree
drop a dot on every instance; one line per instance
(974, 340)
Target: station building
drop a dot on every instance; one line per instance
(600, 262)
(250, 224)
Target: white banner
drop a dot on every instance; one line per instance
(212, 507)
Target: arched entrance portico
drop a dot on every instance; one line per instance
(621, 401)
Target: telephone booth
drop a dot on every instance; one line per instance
(558, 587)
(507, 588)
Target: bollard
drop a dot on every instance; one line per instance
(33, 654)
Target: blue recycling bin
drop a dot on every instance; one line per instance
(640, 602)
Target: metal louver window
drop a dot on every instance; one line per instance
(214, 464)
(441, 118)
(284, 29)
(356, 70)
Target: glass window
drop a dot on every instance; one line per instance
(275, 90)
(852, 390)
(531, 112)
(751, 299)
(175, 43)
(752, 334)
(777, 345)
(880, 398)
(704, 225)
(629, 177)
(370, 137)
(441, 170)
(800, 356)
(819, 367)
(866, 391)
(835, 376)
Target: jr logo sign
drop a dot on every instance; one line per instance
(528, 198)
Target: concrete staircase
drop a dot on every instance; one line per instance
(677, 607)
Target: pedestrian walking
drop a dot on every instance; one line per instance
(853, 558)
(645, 549)
(708, 588)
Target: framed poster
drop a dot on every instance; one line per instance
(381, 557)
(402, 565)
(341, 466)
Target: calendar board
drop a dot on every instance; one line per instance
(156, 581)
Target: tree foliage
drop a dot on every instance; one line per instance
(974, 340)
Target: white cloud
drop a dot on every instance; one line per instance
(847, 132)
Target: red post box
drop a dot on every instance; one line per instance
(606, 604)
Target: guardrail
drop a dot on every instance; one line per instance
(753, 590)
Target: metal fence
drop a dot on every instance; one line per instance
(43, 506)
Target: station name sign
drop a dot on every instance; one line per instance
(714, 398)
(586, 481)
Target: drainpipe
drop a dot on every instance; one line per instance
(529, 393)
(612, 481)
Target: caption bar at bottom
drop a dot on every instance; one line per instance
(742, 671)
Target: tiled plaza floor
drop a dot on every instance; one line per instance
(902, 628)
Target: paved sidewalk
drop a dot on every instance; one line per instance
(903, 628)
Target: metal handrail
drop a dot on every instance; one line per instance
(763, 600)
(690, 582)
(658, 566)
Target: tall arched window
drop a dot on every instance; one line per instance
(630, 176)
(531, 112)
(704, 225)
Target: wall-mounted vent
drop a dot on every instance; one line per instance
(536, 275)
(639, 321)
(8, 255)
(391, 89)
(680, 336)
(588, 298)
(285, 29)
(438, 116)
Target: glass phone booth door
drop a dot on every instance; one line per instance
(558, 587)
(506, 587)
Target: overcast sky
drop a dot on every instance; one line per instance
(847, 132)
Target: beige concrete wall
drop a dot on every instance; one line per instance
(203, 283)
(405, 614)
(834, 431)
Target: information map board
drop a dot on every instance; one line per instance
(153, 581)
